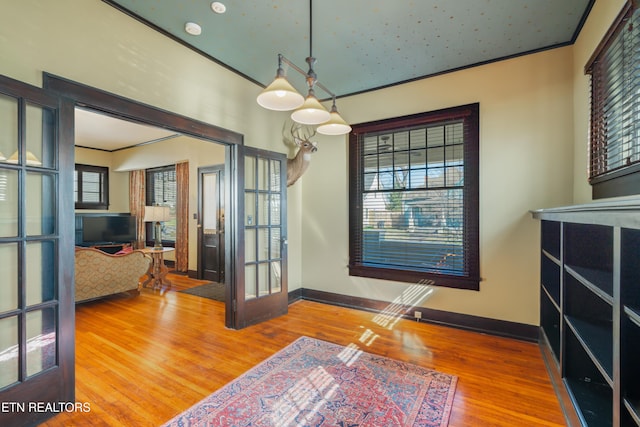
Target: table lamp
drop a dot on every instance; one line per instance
(156, 214)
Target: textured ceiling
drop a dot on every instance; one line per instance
(362, 45)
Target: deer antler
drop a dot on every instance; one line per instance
(295, 132)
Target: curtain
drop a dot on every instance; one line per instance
(182, 217)
(136, 204)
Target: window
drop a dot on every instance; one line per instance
(161, 190)
(614, 161)
(414, 198)
(91, 187)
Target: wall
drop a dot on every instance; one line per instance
(526, 157)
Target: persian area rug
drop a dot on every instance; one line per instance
(209, 290)
(316, 383)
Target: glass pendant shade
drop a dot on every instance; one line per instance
(336, 124)
(280, 96)
(312, 112)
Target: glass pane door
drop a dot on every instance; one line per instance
(32, 308)
(263, 293)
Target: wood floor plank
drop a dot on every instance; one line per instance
(142, 360)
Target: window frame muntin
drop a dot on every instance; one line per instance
(470, 113)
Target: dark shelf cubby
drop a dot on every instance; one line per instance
(550, 276)
(550, 238)
(630, 368)
(550, 322)
(588, 251)
(630, 268)
(590, 392)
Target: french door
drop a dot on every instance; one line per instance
(261, 268)
(36, 290)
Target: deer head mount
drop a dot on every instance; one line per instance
(300, 136)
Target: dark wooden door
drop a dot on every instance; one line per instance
(36, 250)
(261, 288)
(211, 248)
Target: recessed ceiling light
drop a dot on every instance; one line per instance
(193, 28)
(218, 7)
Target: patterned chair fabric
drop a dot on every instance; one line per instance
(99, 274)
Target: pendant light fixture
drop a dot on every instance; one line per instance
(280, 95)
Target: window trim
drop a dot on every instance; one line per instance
(103, 204)
(470, 113)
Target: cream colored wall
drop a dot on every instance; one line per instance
(600, 19)
(92, 43)
(526, 156)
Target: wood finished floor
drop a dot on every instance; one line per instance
(142, 360)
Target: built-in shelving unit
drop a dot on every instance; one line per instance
(590, 310)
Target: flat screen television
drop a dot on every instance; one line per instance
(106, 229)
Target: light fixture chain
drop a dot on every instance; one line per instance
(311, 28)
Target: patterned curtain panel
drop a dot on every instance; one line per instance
(182, 217)
(136, 204)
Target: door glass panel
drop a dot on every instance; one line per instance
(8, 278)
(40, 204)
(209, 205)
(263, 207)
(41, 340)
(263, 279)
(275, 243)
(275, 176)
(250, 245)
(263, 174)
(250, 282)
(8, 203)
(40, 273)
(263, 244)
(8, 351)
(8, 127)
(249, 209)
(276, 284)
(275, 209)
(250, 173)
(39, 136)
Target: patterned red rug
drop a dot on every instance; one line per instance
(316, 383)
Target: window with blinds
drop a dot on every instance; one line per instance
(162, 190)
(414, 198)
(91, 187)
(614, 161)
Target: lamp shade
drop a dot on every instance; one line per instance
(312, 112)
(32, 160)
(156, 213)
(280, 96)
(336, 124)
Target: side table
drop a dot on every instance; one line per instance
(157, 271)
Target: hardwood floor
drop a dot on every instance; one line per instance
(142, 360)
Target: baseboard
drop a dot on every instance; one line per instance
(485, 325)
